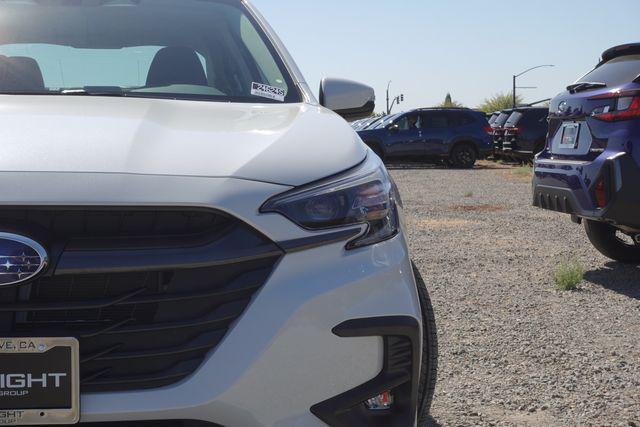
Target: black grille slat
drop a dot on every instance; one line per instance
(147, 292)
(129, 299)
(69, 306)
(205, 342)
(176, 373)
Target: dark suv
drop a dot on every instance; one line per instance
(590, 167)
(491, 118)
(497, 130)
(457, 136)
(525, 132)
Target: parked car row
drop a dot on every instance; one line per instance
(523, 135)
(498, 120)
(585, 147)
(455, 136)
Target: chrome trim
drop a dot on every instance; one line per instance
(42, 253)
(47, 416)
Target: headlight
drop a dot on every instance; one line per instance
(364, 195)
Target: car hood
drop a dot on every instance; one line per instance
(289, 144)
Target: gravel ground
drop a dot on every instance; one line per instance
(513, 349)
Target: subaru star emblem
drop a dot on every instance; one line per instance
(562, 107)
(20, 259)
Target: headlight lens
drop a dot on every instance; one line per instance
(365, 195)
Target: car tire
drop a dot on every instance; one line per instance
(429, 363)
(463, 156)
(604, 237)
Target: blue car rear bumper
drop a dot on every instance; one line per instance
(569, 187)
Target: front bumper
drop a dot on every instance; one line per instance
(282, 357)
(568, 187)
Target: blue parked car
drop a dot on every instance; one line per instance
(458, 136)
(590, 167)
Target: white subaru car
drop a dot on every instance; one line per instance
(188, 237)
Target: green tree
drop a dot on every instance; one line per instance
(450, 103)
(499, 101)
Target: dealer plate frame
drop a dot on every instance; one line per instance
(25, 417)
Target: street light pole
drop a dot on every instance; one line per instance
(518, 75)
(388, 85)
(514, 91)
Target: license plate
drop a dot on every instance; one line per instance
(570, 135)
(39, 381)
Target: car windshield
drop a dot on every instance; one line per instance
(618, 71)
(185, 49)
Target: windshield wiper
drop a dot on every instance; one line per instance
(28, 92)
(578, 87)
(94, 91)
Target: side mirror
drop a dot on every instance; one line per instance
(349, 99)
(394, 128)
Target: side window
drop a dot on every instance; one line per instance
(460, 119)
(436, 120)
(467, 119)
(409, 122)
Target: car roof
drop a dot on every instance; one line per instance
(522, 109)
(448, 109)
(444, 109)
(620, 50)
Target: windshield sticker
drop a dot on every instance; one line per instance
(266, 91)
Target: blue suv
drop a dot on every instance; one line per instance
(458, 136)
(590, 167)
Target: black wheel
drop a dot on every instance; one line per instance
(463, 156)
(612, 243)
(429, 368)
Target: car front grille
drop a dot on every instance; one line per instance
(147, 292)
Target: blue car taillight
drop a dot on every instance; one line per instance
(626, 106)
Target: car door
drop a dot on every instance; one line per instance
(405, 136)
(436, 132)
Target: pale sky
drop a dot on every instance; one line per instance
(466, 47)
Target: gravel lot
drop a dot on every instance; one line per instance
(513, 350)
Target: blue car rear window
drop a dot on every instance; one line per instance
(618, 71)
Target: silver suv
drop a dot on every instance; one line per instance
(187, 236)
